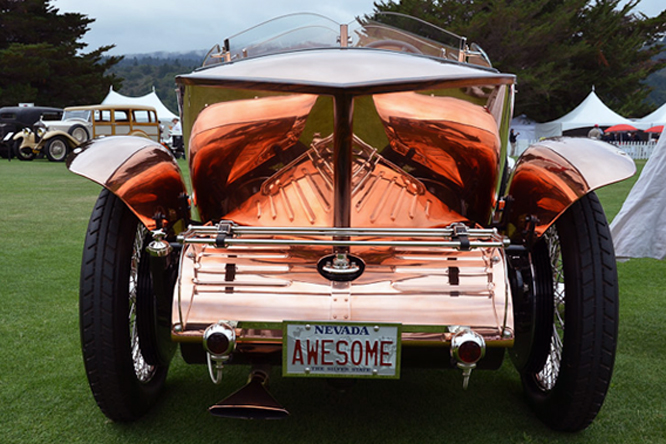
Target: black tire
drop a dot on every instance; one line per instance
(24, 153)
(57, 149)
(571, 365)
(79, 132)
(113, 277)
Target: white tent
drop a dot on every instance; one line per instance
(524, 127)
(151, 99)
(638, 229)
(591, 111)
(655, 118)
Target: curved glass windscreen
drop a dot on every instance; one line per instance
(286, 33)
(385, 30)
(399, 32)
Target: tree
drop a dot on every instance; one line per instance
(42, 59)
(559, 49)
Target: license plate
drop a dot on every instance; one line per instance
(333, 349)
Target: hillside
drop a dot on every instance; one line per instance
(658, 82)
(142, 72)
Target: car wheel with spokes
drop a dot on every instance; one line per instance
(57, 149)
(115, 277)
(79, 132)
(570, 368)
(23, 153)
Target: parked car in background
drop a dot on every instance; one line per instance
(13, 119)
(79, 124)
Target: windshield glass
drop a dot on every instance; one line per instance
(401, 32)
(289, 32)
(385, 30)
(76, 114)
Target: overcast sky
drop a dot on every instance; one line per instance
(142, 26)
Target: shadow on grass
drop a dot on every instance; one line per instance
(424, 406)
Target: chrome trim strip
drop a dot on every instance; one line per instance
(339, 243)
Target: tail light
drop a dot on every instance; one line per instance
(467, 347)
(219, 339)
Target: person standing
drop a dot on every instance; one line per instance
(177, 138)
(513, 137)
(595, 133)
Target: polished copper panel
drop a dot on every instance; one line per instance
(142, 173)
(456, 141)
(382, 195)
(411, 286)
(235, 145)
(296, 160)
(553, 174)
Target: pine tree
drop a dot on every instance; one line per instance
(43, 59)
(559, 49)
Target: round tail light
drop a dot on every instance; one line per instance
(219, 339)
(467, 347)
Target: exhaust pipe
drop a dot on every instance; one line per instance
(253, 401)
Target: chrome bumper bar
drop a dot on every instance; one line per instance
(456, 236)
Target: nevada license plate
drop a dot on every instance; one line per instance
(341, 349)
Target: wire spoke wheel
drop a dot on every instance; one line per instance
(547, 376)
(115, 278)
(144, 371)
(573, 354)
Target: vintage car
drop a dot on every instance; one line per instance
(351, 213)
(13, 119)
(79, 124)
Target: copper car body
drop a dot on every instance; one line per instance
(296, 156)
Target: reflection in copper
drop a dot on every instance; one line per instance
(456, 143)
(254, 168)
(382, 195)
(343, 107)
(553, 174)
(142, 173)
(235, 144)
(434, 287)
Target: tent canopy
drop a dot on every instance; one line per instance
(638, 229)
(591, 111)
(151, 99)
(655, 118)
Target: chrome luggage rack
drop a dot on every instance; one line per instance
(458, 236)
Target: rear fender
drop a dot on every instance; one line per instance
(553, 174)
(142, 173)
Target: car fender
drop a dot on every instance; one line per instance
(553, 174)
(72, 142)
(24, 138)
(141, 172)
(23, 134)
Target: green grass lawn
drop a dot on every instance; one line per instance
(44, 394)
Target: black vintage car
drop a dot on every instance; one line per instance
(14, 118)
